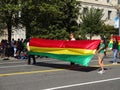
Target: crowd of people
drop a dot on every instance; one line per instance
(18, 49)
(15, 49)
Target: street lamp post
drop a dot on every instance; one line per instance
(117, 7)
(119, 20)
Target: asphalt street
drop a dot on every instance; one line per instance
(51, 74)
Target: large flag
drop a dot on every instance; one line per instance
(110, 45)
(79, 51)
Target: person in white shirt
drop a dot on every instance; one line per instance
(30, 56)
(72, 38)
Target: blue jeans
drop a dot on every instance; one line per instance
(115, 52)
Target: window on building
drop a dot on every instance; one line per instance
(108, 1)
(85, 9)
(109, 14)
(118, 1)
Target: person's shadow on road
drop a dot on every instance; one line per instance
(67, 66)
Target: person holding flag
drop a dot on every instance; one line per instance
(72, 38)
(100, 53)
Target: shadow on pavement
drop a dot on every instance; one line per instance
(68, 67)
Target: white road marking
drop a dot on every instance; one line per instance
(81, 84)
(14, 66)
(21, 61)
(11, 62)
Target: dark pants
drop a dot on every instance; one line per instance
(72, 64)
(29, 59)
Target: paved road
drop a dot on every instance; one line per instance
(50, 74)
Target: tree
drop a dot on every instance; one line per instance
(109, 30)
(70, 10)
(9, 14)
(92, 22)
(39, 16)
(53, 19)
(2, 26)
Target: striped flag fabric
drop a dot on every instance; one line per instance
(110, 45)
(79, 51)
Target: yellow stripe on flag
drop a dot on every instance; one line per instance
(67, 51)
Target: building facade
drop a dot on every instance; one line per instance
(108, 6)
(17, 33)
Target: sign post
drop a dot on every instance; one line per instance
(116, 22)
(119, 21)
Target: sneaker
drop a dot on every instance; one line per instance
(101, 72)
(115, 63)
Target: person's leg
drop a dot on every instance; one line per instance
(71, 63)
(118, 54)
(34, 60)
(100, 61)
(102, 65)
(115, 56)
(15, 52)
(29, 59)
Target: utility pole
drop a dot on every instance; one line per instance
(118, 9)
(119, 20)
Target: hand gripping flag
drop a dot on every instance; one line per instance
(79, 51)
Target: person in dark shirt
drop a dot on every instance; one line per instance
(115, 50)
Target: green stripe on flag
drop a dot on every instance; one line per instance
(78, 59)
(110, 45)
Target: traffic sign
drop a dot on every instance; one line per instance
(116, 22)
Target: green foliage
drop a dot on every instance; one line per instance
(92, 22)
(109, 30)
(70, 10)
(53, 19)
(9, 14)
(2, 26)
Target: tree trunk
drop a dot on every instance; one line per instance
(9, 29)
(91, 36)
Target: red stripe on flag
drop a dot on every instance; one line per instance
(82, 44)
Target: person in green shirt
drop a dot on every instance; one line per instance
(100, 54)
